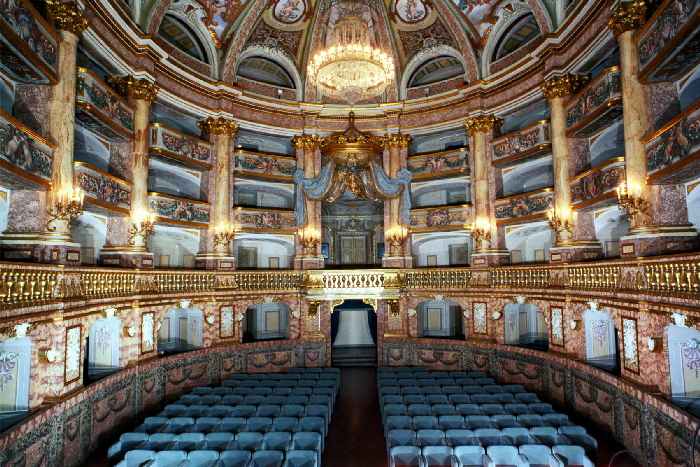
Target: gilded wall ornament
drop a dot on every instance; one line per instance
(564, 85)
(67, 16)
(627, 17)
(218, 127)
(139, 89)
(483, 124)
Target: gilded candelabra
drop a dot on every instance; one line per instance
(631, 200)
(68, 207)
(560, 222)
(481, 232)
(142, 227)
(224, 238)
(309, 239)
(397, 240)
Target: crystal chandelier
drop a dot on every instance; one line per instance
(351, 69)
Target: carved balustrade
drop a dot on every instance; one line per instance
(597, 105)
(23, 166)
(182, 149)
(257, 165)
(439, 164)
(530, 143)
(101, 110)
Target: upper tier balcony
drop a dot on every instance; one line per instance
(673, 152)
(524, 207)
(596, 187)
(262, 219)
(175, 147)
(441, 218)
(668, 45)
(596, 106)
(439, 164)
(25, 157)
(257, 165)
(29, 50)
(172, 210)
(99, 109)
(530, 143)
(104, 193)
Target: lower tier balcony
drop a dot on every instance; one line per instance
(25, 157)
(441, 218)
(596, 187)
(524, 207)
(104, 193)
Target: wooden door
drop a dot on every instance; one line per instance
(353, 250)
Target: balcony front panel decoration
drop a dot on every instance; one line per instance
(597, 106)
(669, 45)
(524, 145)
(446, 218)
(439, 164)
(25, 157)
(598, 184)
(673, 152)
(101, 110)
(264, 220)
(523, 207)
(172, 146)
(29, 50)
(179, 211)
(104, 193)
(264, 165)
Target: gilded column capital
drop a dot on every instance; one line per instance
(397, 141)
(627, 17)
(139, 89)
(483, 124)
(218, 126)
(564, 85)
(305, 141)
(67, 16)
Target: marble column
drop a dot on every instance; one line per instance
(574, 242)
(215, 245)
(650, 233)
(126, 240)
(53, 243)
(398, 254)
(308, 253)
(489, 242)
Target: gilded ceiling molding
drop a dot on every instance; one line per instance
(564, 85)
(139, 89)
(218, 126)
(67, 16)
(627, 17)
(483, 124)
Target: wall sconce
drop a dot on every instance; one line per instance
(68, 206)
(560, 222)
(481, 232)
(394, 308)
(313, 309)
(655, 344)
(223, 237)
(411, 312)
(210, 319)
(239, 317)
(48, 355)
(279, 94)
(496, 315)
(575, 324)
(631, 200)
(309, 239)
(130, 331)
(396, 237)
(296, 314)
(143, 227)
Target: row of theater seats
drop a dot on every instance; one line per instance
(432, 419)
(257, 420)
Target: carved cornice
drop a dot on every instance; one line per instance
(139, 89)
(67, 16)
(483, 124)
(627, 17)
(397, 141)
(305, 142)
(564, 85)
(218, 126)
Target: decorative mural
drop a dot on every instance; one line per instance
(524, 141)
(557, 326)
(629, 344)
(589, 111)
(100, 110)
(24, 149)
(226, 322)
(289, 11)
(446, 162)
(264, 219)
(675, 142)
(598, 182)
(102, 187)
(220, 17)
(523, 205)
(147, 332)
(170, 142)
(478, 12)
(411, 11)
(479, 325)
(264, 165)
(285, 42)
(179, 210)
(72, 357)
(431, 36)
(454, 217)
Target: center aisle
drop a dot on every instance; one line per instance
(356, 436)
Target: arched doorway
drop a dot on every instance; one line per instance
(353, 334)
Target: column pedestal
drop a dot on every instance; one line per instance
(398, 261)
(490, 257)
(215, 261)
(126, 257)
(40, 247)
(575, 250)
(658, 240)
(303, 262)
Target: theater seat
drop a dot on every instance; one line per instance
(405, 456)
(468, 456)
(430, 438)
(437, 455)
(460, 438)
(234, 459)
(301, 459)
(267, 459)
(570, 456)
(535, 455)
(137, 458)
(202, 458)
(501, 456)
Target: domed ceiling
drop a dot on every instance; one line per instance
(264, 46)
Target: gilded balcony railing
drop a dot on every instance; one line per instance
(437, 278)
(98, 108)
(439, 164)
(598, 184)
(519, 277)
(25, 157)
(264, 165)
(440, 218)
(103, 191)
(532, 142)
(174, 146)
(524, 207)
(596, 106)
(263, 219)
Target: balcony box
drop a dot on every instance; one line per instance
(175, 147)
(596, 187)
(597, 106)
(530, 143)
(102, 111)
(25, 157)
(179, 211)
(104, 193)
(256, 165)
(524, 207)
(439, 164)
(263, 219)
(440, 218)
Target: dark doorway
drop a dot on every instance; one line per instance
(353, 334)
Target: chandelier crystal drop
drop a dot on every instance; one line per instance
(351, 69)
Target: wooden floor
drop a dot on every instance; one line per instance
(356, 437)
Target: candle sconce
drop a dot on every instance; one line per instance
(143, 228)
(309, 238)
(224, 238)
(481, 232)
(396, 238)
(68, 207)
(560, 222)
(630, 200)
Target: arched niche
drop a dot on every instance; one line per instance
(601, 340)
(181, 330)
(103, 348)
(611, 225)
(271, 251)
(266, 321)
(442, 249)
(440, 319)
(275, 58)
(426, 55)
(525, 326)
(684, 364)
(15, 362)
(529, 176)
(90, 230)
